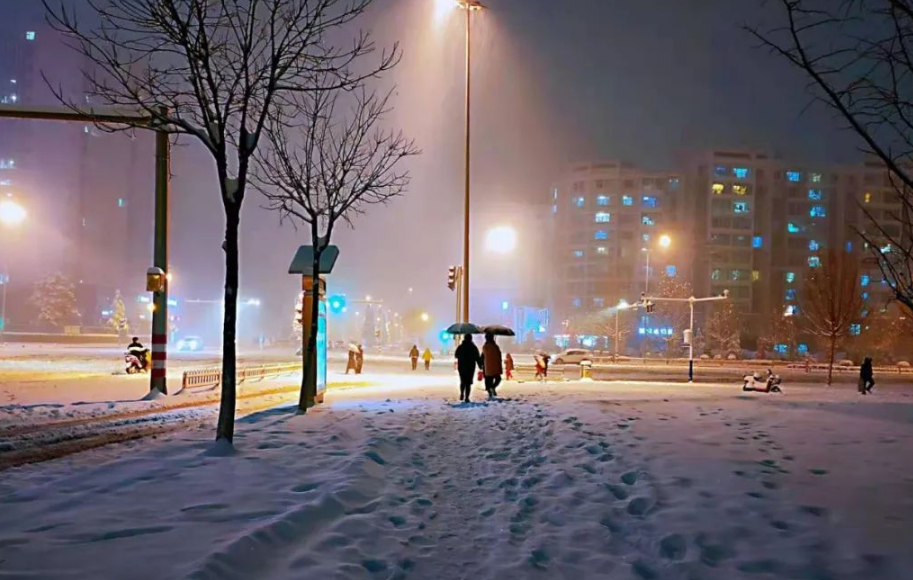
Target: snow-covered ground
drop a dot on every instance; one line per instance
(573, 480)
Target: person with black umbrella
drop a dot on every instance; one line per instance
(467, 356)
(492, 367)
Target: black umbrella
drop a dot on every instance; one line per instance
(498, 330)
(463, 328)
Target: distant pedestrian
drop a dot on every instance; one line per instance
(866, 376)
(508, 367)
(359, 359)
(467, 359)
(352, 363)
(427, 357)
(413, 356)
(545, 359)
(540, 367)
(492, 367)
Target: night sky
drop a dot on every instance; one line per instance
(555, 82)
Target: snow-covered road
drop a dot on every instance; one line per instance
(640, 481)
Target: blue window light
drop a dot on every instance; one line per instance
(855, 329)
(648, 220)
(757, 242)
(864, 280)
(578, 253)
(720, 171)
(740, 207)
(646, 238)
(803, 349)
(121, 202)
(814, 261)
(793, 176)
(849, 247)
(603, 217)
(30, 35)
(576, 302)
(813, 246)
(505, 305)
(886, 249)
(671, 271)
(650, 201)
(817, 211)
(601, 235)
(790, 277)
(865, 295)
(791, 294)
(740, 172)
(781, 349)
(603, 200)
(599, 302)
(580, 201)
(793, 228)
(814, 194)
(627, 200)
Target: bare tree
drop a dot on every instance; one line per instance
(779, 327)
(216, 70)
(723, 331)
(830, 301)
(324, 167)
(858, 57)
(676, 314)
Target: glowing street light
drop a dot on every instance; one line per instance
(425, 317)
(11, 213)
(501, 240)
(665, 241)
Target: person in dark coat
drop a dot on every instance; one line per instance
(467, 356)
(352, 364)
(866, 376)
(492, 366)
(413, 356)
(359, 359)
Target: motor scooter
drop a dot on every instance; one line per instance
(769, 384)
(137, 361)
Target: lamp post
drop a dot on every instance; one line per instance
(11, 214)
(469, 6)
(664, 242)
(622, 305)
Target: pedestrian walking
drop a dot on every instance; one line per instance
(508, 367)
(427, 357)
(413, 356)
(359, 359)
(492, 367)
(545, 359)
(540, 367)
(467, 359)
(866, 376)
(352, 364)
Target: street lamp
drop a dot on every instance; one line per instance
(11, 214)
(425, 317)
(622, 305)
(664, 242)
(501, 240)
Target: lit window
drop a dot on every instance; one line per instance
(755, 275)
(790, 277)
(740, 207)
(671, 271)
(554, 209)
(717, 188)
(740, 172)
(30, 35)
(813, 246)
(802, 348)
(817, 211)
(791, 310)
(814, 261)
(602, 250)
(791, 294)
(645, 238)
(720, 171)
(603, 200)
(849, 246)
(579, 201)
(555, 193)
(793, 228)
(735, 275)
(868, 197)
(781, 349)
(603, 217)
(865, 295)
(627, 200)
(757, 242)
(578, 253)
(814, 177)
(793, 176)
(7, 164)
(6, 182)
(648, 220)
(121, 202)
(599, 302)
(886, 249)
(855, 329)
(650, 201)
(601, 235)
(715, 275)
(814, 194)
(576, 302)
(739, 189)
(864, 280)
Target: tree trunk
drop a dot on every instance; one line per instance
(830, 366)
(226, 426)
(309, 354)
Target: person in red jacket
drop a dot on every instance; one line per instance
(508, 367)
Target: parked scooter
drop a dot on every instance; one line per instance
(137, 361)
(769, 384)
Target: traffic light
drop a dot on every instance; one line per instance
(337, 303)
(299, 309)
(452, 277)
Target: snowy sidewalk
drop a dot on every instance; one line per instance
(556, 481)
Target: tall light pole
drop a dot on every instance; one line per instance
(469, 6)
(664, 242)
(11, 214)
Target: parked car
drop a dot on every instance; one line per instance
(190, 344)
(573, 356)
